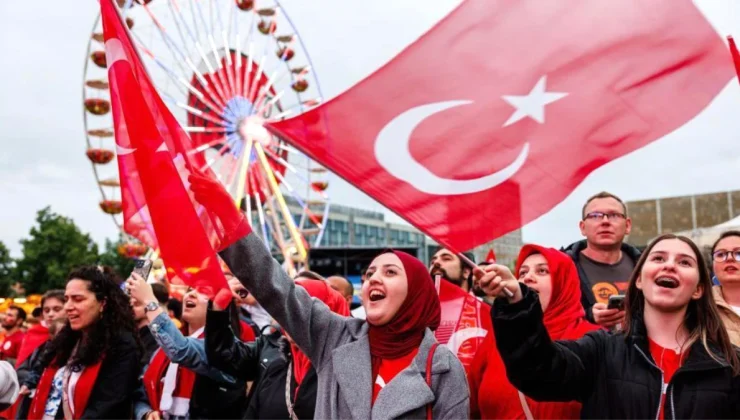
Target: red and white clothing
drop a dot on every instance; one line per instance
(668, 361)
(388, 370)
(10, 345)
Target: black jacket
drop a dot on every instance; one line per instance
(244, 361)
(148, 344)
(268, 399)
(112, 394)
(587, 295)
(613, 376)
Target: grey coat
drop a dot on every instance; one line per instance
(339, 349)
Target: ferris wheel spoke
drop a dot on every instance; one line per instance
(177, 16)
(166, 38)
(260, 212)
(253, 82)
(307, 211)
(200, 114)
(205, 146)
(245, 157)
(281, 201)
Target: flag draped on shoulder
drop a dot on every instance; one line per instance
(153, 164)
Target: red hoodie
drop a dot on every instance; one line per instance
(491, 394)
(35, 336)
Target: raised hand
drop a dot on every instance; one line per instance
(212, 195)
(495, 279)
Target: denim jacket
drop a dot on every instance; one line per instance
(188, 352)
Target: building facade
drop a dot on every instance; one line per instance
(351, 227)
(654, 217)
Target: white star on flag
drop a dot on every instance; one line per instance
(533, 104)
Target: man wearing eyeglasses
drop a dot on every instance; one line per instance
(604, 261)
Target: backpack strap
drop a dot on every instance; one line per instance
(430, 359)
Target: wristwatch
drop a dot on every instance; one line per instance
(151, 306)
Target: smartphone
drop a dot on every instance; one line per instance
(142, 268)
(616, 302)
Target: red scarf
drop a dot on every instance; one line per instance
(419, 311)
(492, 396)
(465, 323)
(564, 312)
(321, 291)
(83, 389)
(156, 371)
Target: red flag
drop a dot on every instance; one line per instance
(152, 163)
(491, 256)
(735, 55)
(465, 322)
(508, 104)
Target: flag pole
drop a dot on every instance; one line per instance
(468, 261)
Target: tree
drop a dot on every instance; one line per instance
(6, 270)
(113, 259)
(55, 246)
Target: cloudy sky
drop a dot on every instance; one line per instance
(42, 159)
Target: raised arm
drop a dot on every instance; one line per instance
(542, 369)
(225, 352)
(186, 351)
(309, 322)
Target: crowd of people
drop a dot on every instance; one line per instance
(597, 329)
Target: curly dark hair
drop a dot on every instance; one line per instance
(117, 318)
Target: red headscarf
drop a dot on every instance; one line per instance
(564, 320)
(321, 291)
(419, 311)
(564, 313)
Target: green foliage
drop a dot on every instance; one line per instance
(113, 259)
(6, 270)
(55, 246)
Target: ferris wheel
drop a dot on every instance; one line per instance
(223, 67)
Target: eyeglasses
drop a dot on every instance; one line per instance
(598, 215)
(722, 255)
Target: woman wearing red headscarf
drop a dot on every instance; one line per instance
(554, 277)
(287, 388)
(387, 366)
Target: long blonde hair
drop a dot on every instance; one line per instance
(702, 318)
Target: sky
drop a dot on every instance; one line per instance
(43, 162)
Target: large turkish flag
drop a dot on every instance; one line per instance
(153, 164)
(498, 112)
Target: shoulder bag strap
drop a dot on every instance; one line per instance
(525, 406)
(430, 359)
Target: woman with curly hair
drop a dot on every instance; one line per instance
(89, 370)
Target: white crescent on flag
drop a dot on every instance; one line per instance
(393, 154)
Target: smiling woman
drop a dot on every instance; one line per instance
(388, 366)
(674, 356)
(94, 360)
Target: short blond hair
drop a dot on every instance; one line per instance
(603, 194)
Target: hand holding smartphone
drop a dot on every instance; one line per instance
(616, 302)
(143, 268)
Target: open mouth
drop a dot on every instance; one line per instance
(667, 282)
(376, 295)
(190, 304)
(731, 269)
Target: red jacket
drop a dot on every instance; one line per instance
(491, 394)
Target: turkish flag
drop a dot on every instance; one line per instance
(153, 160)
(497, 113)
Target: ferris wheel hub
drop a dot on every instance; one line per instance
(253, 127)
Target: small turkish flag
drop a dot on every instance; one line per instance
(508, 105)
(491, 256)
